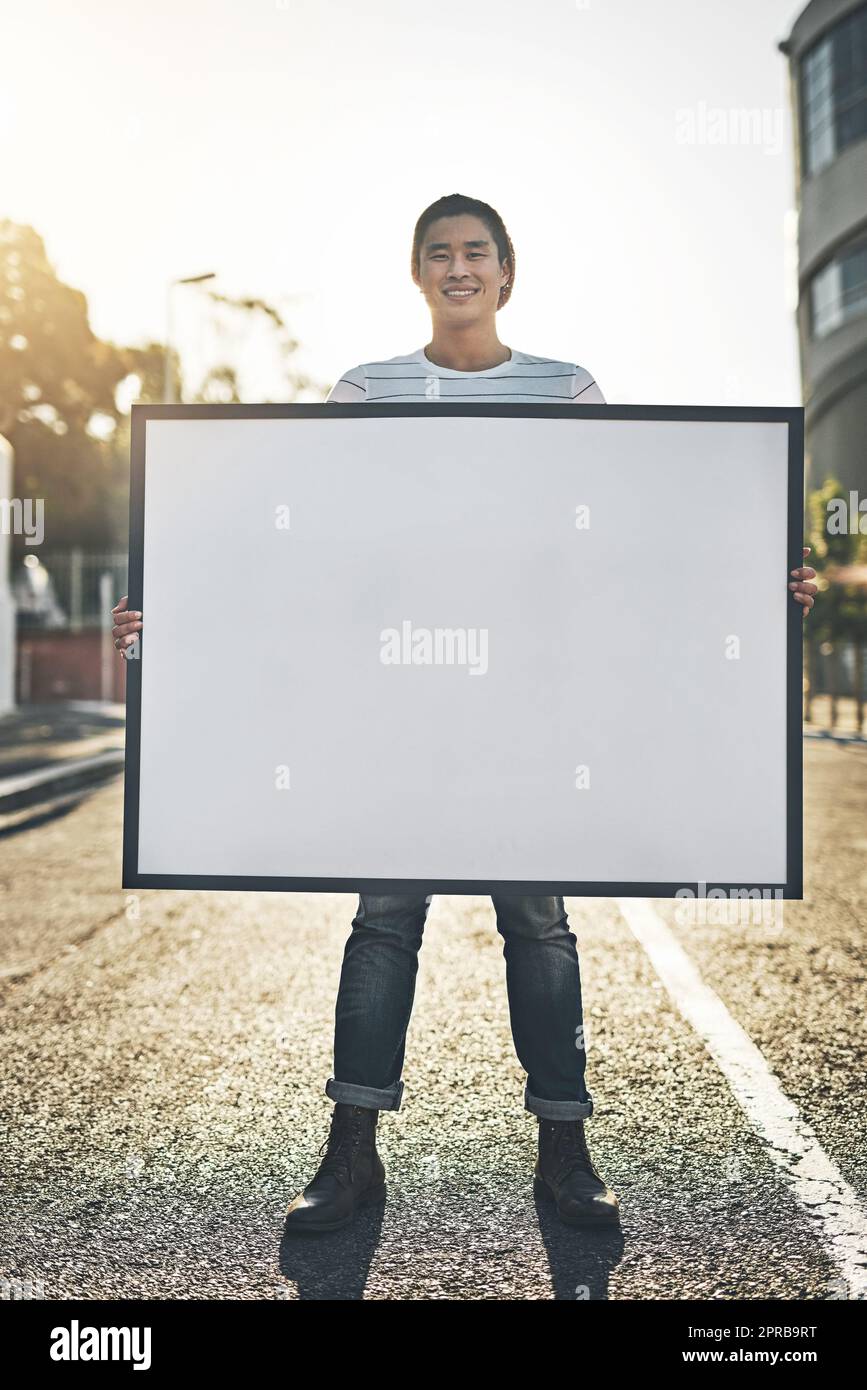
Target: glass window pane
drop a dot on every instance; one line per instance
(838, 292)
(818, 107)
(825, 295)
(834, 92)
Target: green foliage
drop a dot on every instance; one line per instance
(53, 368)
(59, 398)
(239, 319)
(840, 612)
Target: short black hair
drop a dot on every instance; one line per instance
(455, 205)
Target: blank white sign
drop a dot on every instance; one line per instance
(585, 686)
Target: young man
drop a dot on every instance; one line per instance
(463, 262)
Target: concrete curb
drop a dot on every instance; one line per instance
(43, 784)
(74, 774)
(838, 738)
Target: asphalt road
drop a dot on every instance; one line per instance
(165, 1054)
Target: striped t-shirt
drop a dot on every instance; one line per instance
(523, 378)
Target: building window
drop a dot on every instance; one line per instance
(834, 92)
(838, 292)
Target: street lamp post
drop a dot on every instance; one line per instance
(168, 375)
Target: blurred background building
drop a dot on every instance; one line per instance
(827, 53)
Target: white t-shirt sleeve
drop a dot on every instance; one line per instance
(350, 388)
(585, 390)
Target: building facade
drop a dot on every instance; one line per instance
(827, 53)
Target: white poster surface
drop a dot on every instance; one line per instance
(462, 647)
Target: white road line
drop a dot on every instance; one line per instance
(816, 1182)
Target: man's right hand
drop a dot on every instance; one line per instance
(126, 626)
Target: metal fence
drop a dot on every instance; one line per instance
(839, 668)
(76, 588)
(67, 588)
(835, 685)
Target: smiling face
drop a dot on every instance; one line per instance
(459, 270)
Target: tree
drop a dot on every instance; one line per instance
(53, 368)
(57, 395)
(840, 615)
(59, 391)
(238, 319)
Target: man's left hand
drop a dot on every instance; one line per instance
(802, 593)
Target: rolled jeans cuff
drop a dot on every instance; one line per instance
(558, 1109)
(346, 1093)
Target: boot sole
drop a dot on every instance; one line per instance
(601, 1217)
(368, 1198)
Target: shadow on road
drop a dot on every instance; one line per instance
(333, 1264)
(580, 1259)
(31, 818)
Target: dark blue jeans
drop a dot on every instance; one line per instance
(543, 982)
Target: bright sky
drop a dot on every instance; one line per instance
(639, 154)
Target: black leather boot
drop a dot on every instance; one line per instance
(565, 1175)
(350, 1174)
